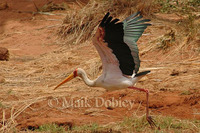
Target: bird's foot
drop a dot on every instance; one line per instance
(151, 121)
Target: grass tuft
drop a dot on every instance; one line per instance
(180, 6)
(167, 40)
(2, 105)
(186, 92)
(79, 25)
(87, 128)
(49, 7)
(191, 28)
(52, 128)
(139, 124)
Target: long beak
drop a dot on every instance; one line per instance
(70, 77)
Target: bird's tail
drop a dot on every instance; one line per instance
(139, 75)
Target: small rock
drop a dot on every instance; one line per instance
(163, 89)
(2, 80)
(174, 73)
(110, 108)
(4, 54)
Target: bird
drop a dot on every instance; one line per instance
(115, 42)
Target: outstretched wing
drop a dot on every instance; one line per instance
(133, 27)
(121, 38)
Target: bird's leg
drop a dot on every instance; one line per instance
(148, 117)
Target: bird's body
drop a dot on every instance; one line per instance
(110, 81)
(116, 44)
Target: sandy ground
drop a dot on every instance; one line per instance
(39, 60)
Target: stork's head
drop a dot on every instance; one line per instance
(74, 74)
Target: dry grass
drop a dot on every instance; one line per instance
(50, 6)
(80, 25)
(8, 124)
(36, 76)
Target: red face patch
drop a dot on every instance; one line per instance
(75, 73)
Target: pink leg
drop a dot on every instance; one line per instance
(149, 118)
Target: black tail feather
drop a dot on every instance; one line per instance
(142, 73)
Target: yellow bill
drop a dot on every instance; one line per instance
(70, 77)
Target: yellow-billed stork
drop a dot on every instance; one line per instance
(116, 44)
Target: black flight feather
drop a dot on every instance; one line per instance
(142, 73)
(114, 34)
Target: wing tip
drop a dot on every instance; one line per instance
(136, 17)
(132, 15)
(104, 19)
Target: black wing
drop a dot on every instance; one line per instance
(121, 38)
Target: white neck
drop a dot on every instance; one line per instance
(83, 75)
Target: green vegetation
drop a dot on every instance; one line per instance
(186, 93)
(181, 6)
(134, 124)
(191, 28)
(167, 40)
(87, 128)
(194, 3)
(187, 26)
(2, 105)
(164, 124)
(166, 6)
(10, 92)
(52, 128)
